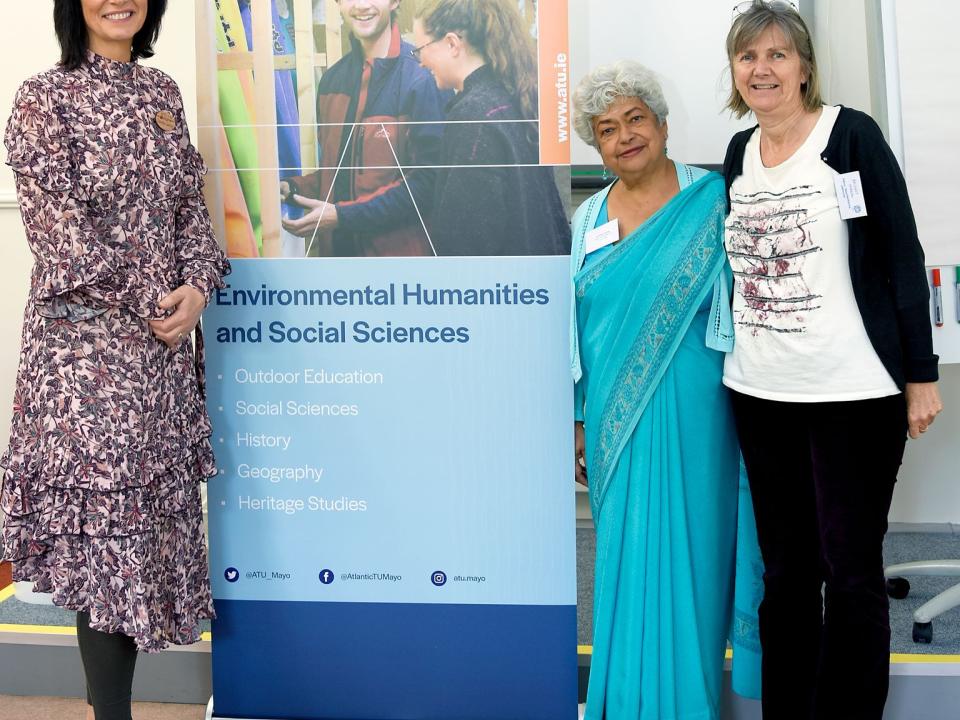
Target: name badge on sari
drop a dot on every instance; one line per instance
(602, 236)
(850, 195)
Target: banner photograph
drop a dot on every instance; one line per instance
(318, 149)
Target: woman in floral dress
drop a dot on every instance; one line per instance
(109, 439)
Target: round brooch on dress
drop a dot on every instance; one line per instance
(165, 120)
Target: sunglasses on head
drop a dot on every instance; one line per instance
(743, 7)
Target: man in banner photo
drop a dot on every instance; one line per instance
(360, 202)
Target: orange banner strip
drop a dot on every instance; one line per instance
(555, 89)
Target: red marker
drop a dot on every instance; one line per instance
(937, 299)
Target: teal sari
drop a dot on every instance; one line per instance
(669, 503)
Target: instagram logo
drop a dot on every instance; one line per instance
(438, 578)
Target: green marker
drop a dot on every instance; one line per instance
(956, 288)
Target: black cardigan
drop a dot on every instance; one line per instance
(491, 197)
(886, 260)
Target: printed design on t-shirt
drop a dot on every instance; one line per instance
(769, 243)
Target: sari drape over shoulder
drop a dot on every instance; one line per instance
(666, 490)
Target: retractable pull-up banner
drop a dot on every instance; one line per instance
(392, 526)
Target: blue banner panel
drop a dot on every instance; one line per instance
(392, 529)
(367, 661)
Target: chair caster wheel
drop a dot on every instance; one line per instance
(923, 632)
(898, 588)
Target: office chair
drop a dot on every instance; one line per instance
(899, 587)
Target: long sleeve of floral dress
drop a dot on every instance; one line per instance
(84, 258)
(200, 261)
(79, 267)
(109, 434)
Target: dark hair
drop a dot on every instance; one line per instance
(71, 31)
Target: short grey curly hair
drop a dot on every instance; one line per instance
(605, 85)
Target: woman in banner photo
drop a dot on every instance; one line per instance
(655, 435)
(100, 484)
(491, 197)
(832, 366)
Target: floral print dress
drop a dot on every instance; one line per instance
(109, 438)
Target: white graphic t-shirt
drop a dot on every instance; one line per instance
(799, 334)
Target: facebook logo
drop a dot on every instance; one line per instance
(326, 576)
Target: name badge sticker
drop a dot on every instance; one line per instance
(602, 236)
(850, 195)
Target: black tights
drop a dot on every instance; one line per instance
(108, 663)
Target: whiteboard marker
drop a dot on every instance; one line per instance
(956, 287)
(937, 299)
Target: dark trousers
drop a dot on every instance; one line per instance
(822, 477)
(109, 660)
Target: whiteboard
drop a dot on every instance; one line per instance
(684, 44)
(927, 110)
(930, 107)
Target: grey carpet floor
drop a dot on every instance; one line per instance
(899, 547)
(908, 547)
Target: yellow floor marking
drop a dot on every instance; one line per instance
(899, 658)
(39, 629)
(56, 630)
(918, 658)
(8, 592)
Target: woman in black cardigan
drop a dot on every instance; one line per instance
(832, 366)
(491, 197)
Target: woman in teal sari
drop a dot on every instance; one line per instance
(656, 443)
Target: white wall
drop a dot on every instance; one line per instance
(931, 123)
(684, 44)
(840, 43)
